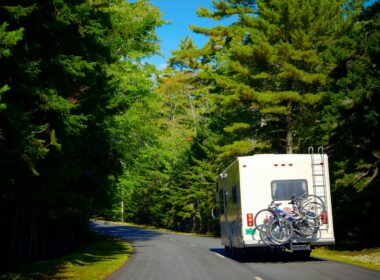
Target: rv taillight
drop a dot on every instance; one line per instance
(324, 218)
(250, 219)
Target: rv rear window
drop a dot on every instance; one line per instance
(285, 189)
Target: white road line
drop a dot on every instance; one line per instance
(220, 256)
(258, 278)
(171, 239)
(194, 245)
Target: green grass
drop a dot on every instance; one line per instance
(369, 258)
(95, 261)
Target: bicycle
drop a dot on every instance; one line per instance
(311, 206)
(276, 226)
(304, 221)
(273, 226)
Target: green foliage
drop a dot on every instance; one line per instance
(3, 89)
(8, 39)
(156, 135)
(275, 60)
(281, 77)
(354, 104)
(186, 57)
(86, 127)
(236, 149)
(236, 127)
(350, 124)
(69, 70)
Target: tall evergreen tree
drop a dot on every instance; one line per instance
(58, 88)
(350, 124)
(271, 66)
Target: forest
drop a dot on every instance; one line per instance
(88, 129)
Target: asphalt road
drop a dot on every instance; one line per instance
(164, 256)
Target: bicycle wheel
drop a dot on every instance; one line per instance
(307, 227)
(314, 198)
(312, 209)
(280, 231)
(264, 235)
(262, 218)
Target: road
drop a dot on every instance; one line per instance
(167, 256)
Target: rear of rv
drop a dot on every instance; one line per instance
(266, 178)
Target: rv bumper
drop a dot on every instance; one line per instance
(323, 242)
(312, 243)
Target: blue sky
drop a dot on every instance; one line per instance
(181, 14)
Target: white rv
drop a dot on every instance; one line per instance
(251, 183)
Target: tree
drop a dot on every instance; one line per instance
(351, 127)
(58, 89)
(286, 75)
(270, 68)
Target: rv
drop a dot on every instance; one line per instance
(251, 183)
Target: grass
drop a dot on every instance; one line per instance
(369, 258)
(95, 261)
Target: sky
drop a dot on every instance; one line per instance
(181, 13)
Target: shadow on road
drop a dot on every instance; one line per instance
(266, 257)
(131, 234)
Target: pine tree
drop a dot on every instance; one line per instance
(58, 88)
(271, 67)
(351, 127)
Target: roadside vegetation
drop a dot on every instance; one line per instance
(369, 258)
(94, 261)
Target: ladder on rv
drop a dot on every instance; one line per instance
(319, 173)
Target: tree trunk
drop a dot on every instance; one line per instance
(289, 142)
(289, 132)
